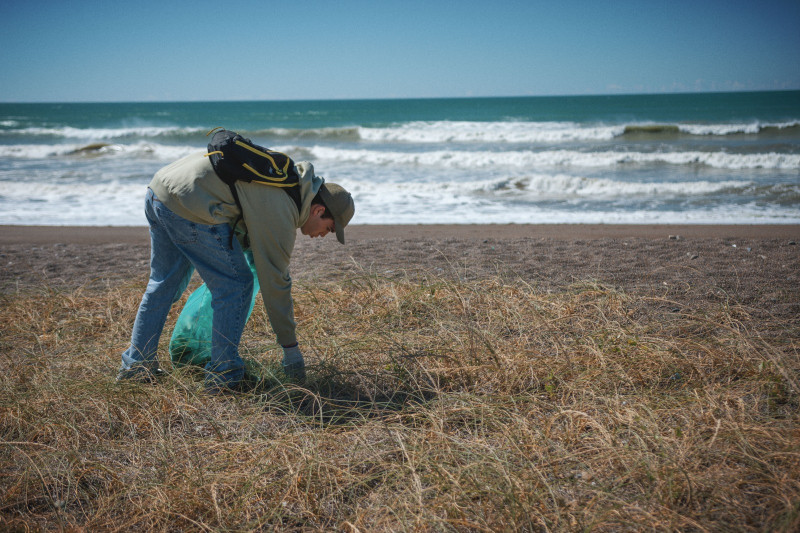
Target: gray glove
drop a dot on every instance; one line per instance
(293, 364)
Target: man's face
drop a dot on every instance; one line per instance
(316, 226)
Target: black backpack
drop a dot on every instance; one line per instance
(235, 158)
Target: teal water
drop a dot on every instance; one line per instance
(769, 107)
(679, 158)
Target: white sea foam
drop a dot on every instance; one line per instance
(541, 198)
(435, 132)
(489, 132)
(135, 150)
(98, 134)
(730, 129)
(102, 204)
(422, 132)
(445, 159)
(538, 187)
(565, 186)
(559, 200)
(720, 129)
(554, 158)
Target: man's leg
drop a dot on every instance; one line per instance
(170, 272)
(230, 301)
(221, 263)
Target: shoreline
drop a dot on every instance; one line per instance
(47, 235)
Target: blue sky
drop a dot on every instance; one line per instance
(262, 50)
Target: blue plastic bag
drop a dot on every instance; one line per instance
(191, 339)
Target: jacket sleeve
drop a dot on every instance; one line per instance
(271, 219)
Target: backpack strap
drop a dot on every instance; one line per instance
(232, 187)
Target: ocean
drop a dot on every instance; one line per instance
(731, 158)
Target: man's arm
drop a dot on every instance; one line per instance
(271, 220)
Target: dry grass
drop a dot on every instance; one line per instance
(433, 404)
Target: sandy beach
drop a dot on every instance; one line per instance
(756, 266)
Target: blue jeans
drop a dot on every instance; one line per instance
(177, 248)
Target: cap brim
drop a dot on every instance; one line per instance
(339, 229)
(328, 199)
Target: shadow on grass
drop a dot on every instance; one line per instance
(329, 395)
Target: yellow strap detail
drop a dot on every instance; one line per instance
(212, 153)
(270, 178)
(215, 129)
(271, 184)
(266, 155)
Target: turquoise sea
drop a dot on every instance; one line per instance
(680, 158)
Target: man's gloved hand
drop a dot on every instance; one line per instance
(293, 364)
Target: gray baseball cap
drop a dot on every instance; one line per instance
(340, 204)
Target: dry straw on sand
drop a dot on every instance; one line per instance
(434, 403)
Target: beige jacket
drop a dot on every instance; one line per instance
(190, 188)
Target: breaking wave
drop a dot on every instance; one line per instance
(421, 132)
(555, 158)
(454, 159)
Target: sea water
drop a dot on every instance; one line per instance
(680, 158)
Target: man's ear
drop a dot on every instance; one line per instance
(317, 210)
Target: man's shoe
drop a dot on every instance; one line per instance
(140, 374)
